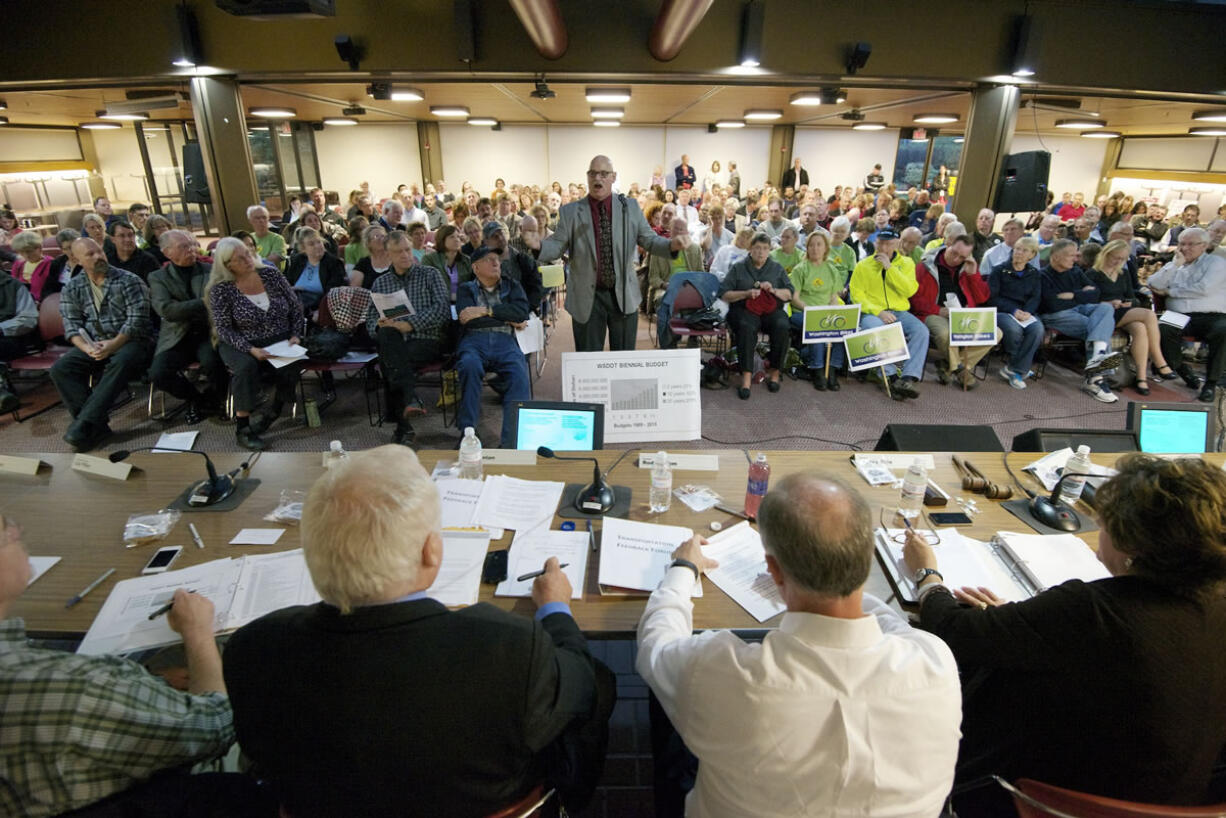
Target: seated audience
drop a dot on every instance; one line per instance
(1002, 253)
(18, 332)
(1070, 305)
(356, 250)
(408, 343)
(106, 319)
(1016, 288)
(1131, 666)
(379, 700)
(787, 255)
(1141, 324)
(62, 266)
(1194, 283)
(155, 226)
(757, 289)
(269, 245)
(313, 271)
(860, 243)
(773, 225)
(1045, 235)
(845, 708)
(94, 226)
(490, 309)
(909, 244)
(952, 274)
(416, 231)
(124, 254)
(376, 262)
(817, 282)
(661, 268)
(334, 225)
(472, 230)
(732, 254)
(252, 308)
(100, 733)
(527, 225)
(436, 216)
(448, 260)
(309, 218)
(519, 267)
(883, 285)
(984, 238)
(392, 215)
(185, 337)
(717, 236)
(841, 253)
(32, 267)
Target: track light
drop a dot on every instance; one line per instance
(4, 120)
(1026, 48)
(750, 55)
(189, 52)
(349, 51)
(857, 56)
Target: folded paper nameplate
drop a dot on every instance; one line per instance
(509, 457)
(683, 462)
(101, 467)
(19, 465)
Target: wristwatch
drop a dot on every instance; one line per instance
(923, 574)
(686, 564)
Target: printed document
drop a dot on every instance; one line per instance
(636, 555)
(458, 502)
(1050, 559)
(521, 505)
(742, 571)
(284, 353)
(530, 549)
(171, 442)
(267, 583)
(393, 305)
(459, 577)
(532, 337)
(963, 562)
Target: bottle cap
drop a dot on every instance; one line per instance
(716, 525)
(468, 431)
(335, 446)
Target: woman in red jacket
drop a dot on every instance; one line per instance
(952, 272)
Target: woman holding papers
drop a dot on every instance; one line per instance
(252, 308)
(1016, 287)
(1112, 687)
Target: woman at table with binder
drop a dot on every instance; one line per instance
(1113, 687)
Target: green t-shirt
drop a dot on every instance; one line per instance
(355, 251)
(787, 260)
(816, 283)
(844, 258)
(272, 244)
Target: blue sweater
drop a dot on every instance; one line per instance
(1012, 291)
(1072, 280)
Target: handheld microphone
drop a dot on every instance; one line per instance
(1053, 513)
(205, 493)
(595, 498)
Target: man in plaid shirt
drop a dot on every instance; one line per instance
(409, 342)
(106, 319)
(81, 729)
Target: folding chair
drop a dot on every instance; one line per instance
(1034, 799)
(50, 326)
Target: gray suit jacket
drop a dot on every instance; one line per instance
(575, 234)
(179, 309)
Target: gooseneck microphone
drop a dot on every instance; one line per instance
(1054, 513)
(205, 493)
(595, 498)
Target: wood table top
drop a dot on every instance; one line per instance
(80, 517)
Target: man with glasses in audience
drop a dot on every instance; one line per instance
(602, 293)
(1194, 283)
(124, 253)
(1010, 232)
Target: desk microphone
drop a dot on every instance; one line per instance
(1053, 513)
(594, 498)
(205, 493)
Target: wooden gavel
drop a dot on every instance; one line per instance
(974, 480)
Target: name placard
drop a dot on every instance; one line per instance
(509, 457)
(19, 465)
(683, 462)
(101, 466)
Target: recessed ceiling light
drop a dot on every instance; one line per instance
(1208, 131)
(934, 119)
(806, 98)
(3, 105)
(606, 123)
(449, 110)
(608, 113)
(122, 117)
(482, 120)
(868, 126)
(182, 62)
(762, 113)
(4, 120)
(608, 95)
(407, 95)
(1103, 134)
(100, 126)
(340, 120)
(273, 112)
(1079, 123)
(1024, 72)
(1217, 115)
(730, 123)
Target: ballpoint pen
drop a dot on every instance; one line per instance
(196, 535)
(165, 608)
(535, 574)
(591, 537)
(89, 588)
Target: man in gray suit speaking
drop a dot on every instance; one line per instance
(600, 231)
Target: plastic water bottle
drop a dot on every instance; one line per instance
(1079, 463)
(336, 454)
(661, 484)
(470, 455)
(759, 481)
(914, 483)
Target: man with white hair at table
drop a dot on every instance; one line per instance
(378, 700)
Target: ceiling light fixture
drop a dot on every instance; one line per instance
(730, 123)
(934, 119)
(750, 55)
(340, 120)
(1218, 115)
(4, 120)
(1103, 134)
(763, 114)
(607, 123)
(806, 98)
(100, 126)
(869, 126)
(406, 94)
(608, 95)
(118, 116)
(541, 90)
(608, 113)
(449, 110)
(487, 121)
(1079, 123)
(1026, 48)
(273, 112)
(1209, 130)
(3, 105)
(189, 51)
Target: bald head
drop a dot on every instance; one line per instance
(90, 255)
(600, 178)
(528, 223)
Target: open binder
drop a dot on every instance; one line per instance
(1015, 566)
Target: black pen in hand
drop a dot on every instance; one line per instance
(533, 574)
(164, 609)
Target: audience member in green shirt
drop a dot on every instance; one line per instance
(787, 254)
(817, 282)
(270, 245)
(356, 250)
(842, 253)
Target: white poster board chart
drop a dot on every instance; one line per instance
(648, 394)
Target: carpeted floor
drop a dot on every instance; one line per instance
(797, 417)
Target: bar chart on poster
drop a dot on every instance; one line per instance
(648, 395)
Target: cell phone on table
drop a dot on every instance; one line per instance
(162, 560)
(495, 569)
(949, 518)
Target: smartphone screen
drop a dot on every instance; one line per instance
(162, 559)
(949, 518)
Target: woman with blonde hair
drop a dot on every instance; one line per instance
(1115, 287)
(817, 282)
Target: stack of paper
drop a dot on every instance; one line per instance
(458, 503)
(283, 353)
(530, 550)
(521, 505)
(171, 442)
(459, 577)
(637, 555)
(742, 572)
(962, 561)
(1051, 559)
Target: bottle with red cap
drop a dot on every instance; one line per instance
(759, 480)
